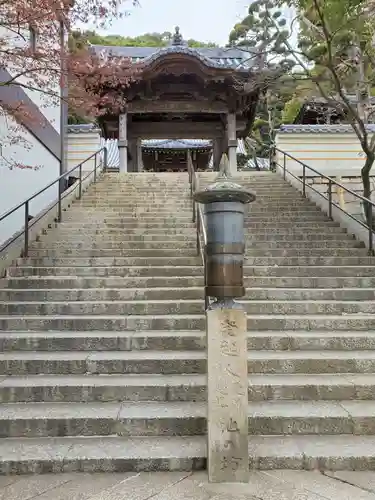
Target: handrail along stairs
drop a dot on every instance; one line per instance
(198, 219)
(331, 182)
(61, 195)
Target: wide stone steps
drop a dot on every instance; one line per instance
(103, 345)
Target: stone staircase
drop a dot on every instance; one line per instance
(102, 357)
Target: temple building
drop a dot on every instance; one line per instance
(319, 111)
(171, 155)
(208, 94)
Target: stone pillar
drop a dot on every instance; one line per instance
(226, 323)
(132, 153)
(232, 142)
(217, 152)
(123, 142)
(139, 155)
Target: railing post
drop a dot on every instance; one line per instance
(198, 228)
(194, 211)
(105, 159)
(284, 166)
(95, 165)
(26, 231)
(80, 182)
(370, 231)
(304, 180)
(330, 199)
(59, 202)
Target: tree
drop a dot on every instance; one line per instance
(32, 58)
(334, 54)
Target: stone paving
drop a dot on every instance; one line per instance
(270, 485)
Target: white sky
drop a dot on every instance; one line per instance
(204, 20)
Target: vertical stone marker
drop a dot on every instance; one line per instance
(228, 459)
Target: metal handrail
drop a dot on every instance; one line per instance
(60, 180)
(331, 182)
(198, 218)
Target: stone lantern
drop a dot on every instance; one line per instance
(225, 202)
(226, 324)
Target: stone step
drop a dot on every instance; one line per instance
(304, 252)
(125, 238)
(23, 363)
(147, 245)
(160, 207)
(94, 271)
(137, 261)
(142, 307)
(171, 271)
(190, 387)
(104, 282)
(68, 247)
(185, 307)
(102, 239)
(181, 340)
(117, 252)
(82, 282)
(190, 232)
(165, 293)
(107, 219)
(108, 322)
(136, 231)
(193, 261)
(70, 294)
(181, 418)
(133, 224)
(161, 226)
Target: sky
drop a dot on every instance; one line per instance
(204, 20)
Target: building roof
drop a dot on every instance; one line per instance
(320, 129)
(176, 144)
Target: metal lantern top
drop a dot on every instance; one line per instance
(224, 189)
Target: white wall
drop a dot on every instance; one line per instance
(18, 184)
(330, 149)
(83, 141)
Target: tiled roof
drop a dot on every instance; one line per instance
(82, 128)
(214, 57)
(320, 129)
(176, 144)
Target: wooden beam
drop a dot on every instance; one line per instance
(173, 130)
(176, 107)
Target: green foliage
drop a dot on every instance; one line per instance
(291, 110)
(146, 40)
